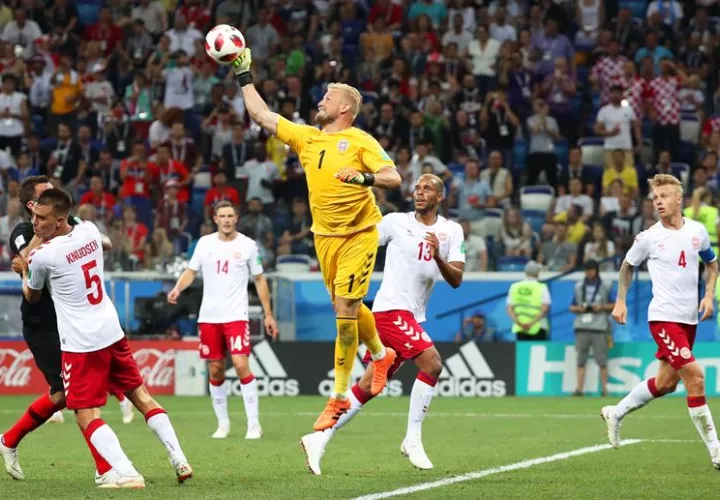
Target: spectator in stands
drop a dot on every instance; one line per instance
(498, 178)
(576, 169)
(600, 248)
(472, 195)
(519, 82)
(500, 29)
(592, 303)
(670, 12)
(219, 127)
(558, 254)
(262, 176)
(24, 168)
(499, 125)
(476, 254)
(693, 60)
(663, 166)
(153, 14)
(665, 107)
(648, 216)
(255, 224)
(160, 129)
(67, 92)
(22, 32)
(88, 151)
(182, 37)
(135, 233)
(171, 214)
(474, 329)
(515, 234)
(617, 123)
(179, 91)
(105, 31)
(297, 239)
(183, 148)
(692, 98)
(576, 224)
(381, 200)
(458, 34)
(205, 229)
(159, 250)
(88, 213)
(608, 70)
(483, 53)
(611, 201)
(138, 177)
(220, 191)
(541, 152)
(97, 197)
(14, 114)
(626, 31)
(422, 157)
(559, 88)
(167, 168)
(620, 224)
(65, 162)
(550, 45)
(576, 197)
(13, 216)
(620, 170)
(237, 152)
(654, 51)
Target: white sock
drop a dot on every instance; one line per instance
(163, 429)
(219, 398)
(108, 445)
(638, 397)
(420, 398)
(702, 418)
(379, 355)
(355, 407)
(250, 398)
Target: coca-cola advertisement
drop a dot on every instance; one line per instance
(155, 359)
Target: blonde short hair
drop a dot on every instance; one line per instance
(355, 96)
(665, 180)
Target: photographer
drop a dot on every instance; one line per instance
(592, 304)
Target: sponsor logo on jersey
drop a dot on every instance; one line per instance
(467, 374)
(272, 379)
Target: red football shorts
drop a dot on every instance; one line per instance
(399, 330)
(217, 338)
(675, 342)
(88, 376)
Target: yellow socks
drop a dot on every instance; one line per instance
(346, 346)
(368, 333)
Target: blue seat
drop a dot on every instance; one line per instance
(511, 264)
(536, 219)
(520, 155)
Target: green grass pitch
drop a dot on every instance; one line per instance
(460, 436)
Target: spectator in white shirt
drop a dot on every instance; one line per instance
(500, 30)
(153, 14)
(13, 114)
(261, 175)
(617, 123)
(23, 32)
(467, 12)
(183, 37)
(457, 34)
(262, 37)
(575, 197)
(99, 92)
(476, 255)
(179, 90)
(671, 12)
(483, 53)
(423, 157)
(692, 97)
(219, 126)
(9, 221)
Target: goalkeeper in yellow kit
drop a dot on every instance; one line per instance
(341, 163)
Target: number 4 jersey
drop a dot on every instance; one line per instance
(72, 268)
(673, 256)
(226, 267)
(410, 272)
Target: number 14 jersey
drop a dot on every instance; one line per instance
(226, 267)
(410, 271)
(673, 256)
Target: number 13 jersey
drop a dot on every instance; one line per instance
(226, 267)
(410, 271)
(673, 256)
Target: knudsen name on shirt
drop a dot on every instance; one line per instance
(83, 251)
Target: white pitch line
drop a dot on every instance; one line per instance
(471, 476)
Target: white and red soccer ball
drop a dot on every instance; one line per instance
(224, 43)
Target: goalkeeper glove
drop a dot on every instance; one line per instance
(241, 67)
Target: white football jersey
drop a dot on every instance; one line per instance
(226, 267)
(673, 257)
(72, 267)
(410, 272)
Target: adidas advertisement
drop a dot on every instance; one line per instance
(292, 369)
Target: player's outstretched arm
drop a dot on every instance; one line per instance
(256, 106)
(184, 281)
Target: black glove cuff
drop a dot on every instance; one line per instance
(244, 78)
(369, 179)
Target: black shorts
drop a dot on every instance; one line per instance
(44, 344)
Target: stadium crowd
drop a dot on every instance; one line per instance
(544, 118)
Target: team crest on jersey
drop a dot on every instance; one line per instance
(442, 237)
(237, 255)
(685, 353)
(343, 146)
(695, 242)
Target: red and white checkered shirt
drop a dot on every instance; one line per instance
(608, 70)
(711, 125)
(635, 93)
(665, 100)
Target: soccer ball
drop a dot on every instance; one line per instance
(224, 43)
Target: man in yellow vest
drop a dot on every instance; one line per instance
(702, 210)
(528, 304)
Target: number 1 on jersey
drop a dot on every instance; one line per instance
(681, 261)
(322, 157)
